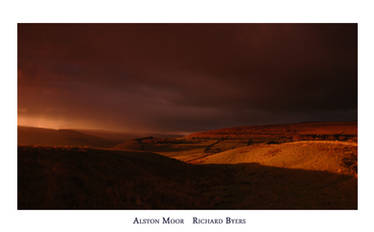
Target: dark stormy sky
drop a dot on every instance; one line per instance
(185, 77)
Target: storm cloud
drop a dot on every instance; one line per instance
(185, 77)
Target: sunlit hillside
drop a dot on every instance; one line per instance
(331, 156)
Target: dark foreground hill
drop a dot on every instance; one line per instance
(63, 178)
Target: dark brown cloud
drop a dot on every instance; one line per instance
(186, 77)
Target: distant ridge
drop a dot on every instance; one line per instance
(63, 137)
(287, 130)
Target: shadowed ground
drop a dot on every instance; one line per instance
(72, 178)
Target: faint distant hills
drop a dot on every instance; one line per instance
(51, 137)
(74, 137)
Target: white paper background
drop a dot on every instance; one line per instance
(13, 12)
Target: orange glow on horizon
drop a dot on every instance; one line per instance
(57, 124)
(41, 122)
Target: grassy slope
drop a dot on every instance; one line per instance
(62, 178)
(332, 156)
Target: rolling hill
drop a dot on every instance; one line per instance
(331, 156)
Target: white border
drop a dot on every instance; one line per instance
(13, 12)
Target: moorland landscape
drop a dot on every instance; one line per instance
(290, 166)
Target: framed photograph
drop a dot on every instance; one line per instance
(187, 116)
